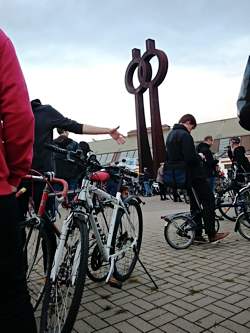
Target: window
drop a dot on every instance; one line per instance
(223, 144)
(130, 154)
(109, 158)
(123, 155)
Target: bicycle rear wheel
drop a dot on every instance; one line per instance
(63, 296)
(38, 253)
(98, 268)
(179, 232)
(127, 238)
(227, 197)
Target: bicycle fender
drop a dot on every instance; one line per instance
(134, 197)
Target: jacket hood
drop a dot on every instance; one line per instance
(180, 126)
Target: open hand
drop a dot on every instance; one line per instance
(117, 136)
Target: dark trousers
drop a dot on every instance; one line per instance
(206, 198)
(16, 313)
(163, 191)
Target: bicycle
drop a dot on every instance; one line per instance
(120, 248)
(180, 229)
(38, 246)
(230, 194)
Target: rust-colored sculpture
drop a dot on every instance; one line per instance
(144, 69)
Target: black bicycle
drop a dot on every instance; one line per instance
(180, 229)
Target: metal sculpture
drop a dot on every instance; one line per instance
(144, 70)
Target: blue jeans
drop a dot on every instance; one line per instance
(147, 188)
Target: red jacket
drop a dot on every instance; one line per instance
(16, 119)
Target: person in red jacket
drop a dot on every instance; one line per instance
(16, 141)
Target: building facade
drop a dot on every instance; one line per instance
(108, 151)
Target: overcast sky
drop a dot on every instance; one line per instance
(74, 55)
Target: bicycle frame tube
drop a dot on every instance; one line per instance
(59, 250)
(86, 195)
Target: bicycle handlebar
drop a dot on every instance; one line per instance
(53, 180)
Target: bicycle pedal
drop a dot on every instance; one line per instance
(113, 282)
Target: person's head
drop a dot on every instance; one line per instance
(35, 102)
(235, 141)
(209, 140)
(62, 131)
(189, 121)
(84, 146)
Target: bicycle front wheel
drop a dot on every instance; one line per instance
(127, 238)
(62, 296)
(243, 226)
(179, 232)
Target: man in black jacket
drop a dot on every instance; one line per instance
(180, 148)
(236, 153)
(46, 119)
(209, 162)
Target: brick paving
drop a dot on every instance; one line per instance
(205, 288)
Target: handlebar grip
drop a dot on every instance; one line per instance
(130, 173)
(64, 184)
(56, 149)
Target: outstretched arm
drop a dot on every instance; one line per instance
(113, 132)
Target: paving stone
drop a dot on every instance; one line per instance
(136, 310)
(189, 327)
(228, 306)
(242, 317)
(81, 326)
(163, 319)
(233, 298)
(237, 328)
(176, 310)
(152, 314)
(196, 315)
(117, 317)
(143, 304)
(125, 327)
(185, 305)
(96, 322)
(141, 324)
(210, 321)
(204, 301)
(170, 328)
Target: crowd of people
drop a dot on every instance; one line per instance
(25, 129)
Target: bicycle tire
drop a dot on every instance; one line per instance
(243, 226)
(38, 254)
(123, 237)
(68, 276)
(98, 268)
(183, 233)
(229, 213)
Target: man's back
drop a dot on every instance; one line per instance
(46, 119)
(180, 148)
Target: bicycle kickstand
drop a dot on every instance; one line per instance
(145, 270)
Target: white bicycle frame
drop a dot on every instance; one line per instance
(85, 195)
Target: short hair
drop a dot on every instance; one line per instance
(208, 137)
(60, 130)
(235, 139)
(188, 118)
